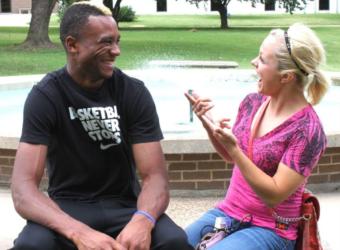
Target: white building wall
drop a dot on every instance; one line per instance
(235, 7)
(183, 7)
(142, 7)
(334, 6)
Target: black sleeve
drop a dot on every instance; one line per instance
(39, 118)
(143, 119)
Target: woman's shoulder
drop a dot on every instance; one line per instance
(307, 128)
(308, 119)
(252, 101)
(254, 98)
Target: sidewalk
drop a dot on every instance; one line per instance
(184, 209)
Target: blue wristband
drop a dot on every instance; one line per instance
(147, 215)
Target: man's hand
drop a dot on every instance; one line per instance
(88, 239)
(137, 234)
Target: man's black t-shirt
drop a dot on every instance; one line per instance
(89, 133)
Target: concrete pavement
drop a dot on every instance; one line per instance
(184, 208)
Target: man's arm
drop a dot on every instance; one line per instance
(33, 205)
(153, 199)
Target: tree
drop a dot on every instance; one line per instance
(63, 5)
(37, 36)
(222, 7)
(115, 10)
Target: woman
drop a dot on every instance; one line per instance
(275, 142)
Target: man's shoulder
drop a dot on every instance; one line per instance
(123, 78)
(50, 79)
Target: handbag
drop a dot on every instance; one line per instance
(308, 233)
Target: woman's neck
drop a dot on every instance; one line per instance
(287, 102)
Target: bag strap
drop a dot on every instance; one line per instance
(309, 197)
(255, 125)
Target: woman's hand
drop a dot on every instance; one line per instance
(219, 133)
(224, 135)
(201, 107)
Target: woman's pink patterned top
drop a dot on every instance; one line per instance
(298, 142)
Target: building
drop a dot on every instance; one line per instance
(236, 7)
(174, 7)
(15, 6)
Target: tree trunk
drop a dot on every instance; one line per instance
(223, 11)
(224, 19)
(109, 4)
(37, 36)
(115, 10)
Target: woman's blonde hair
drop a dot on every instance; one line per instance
(302, 53)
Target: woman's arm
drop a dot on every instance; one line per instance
(201, 108)
(271, 189)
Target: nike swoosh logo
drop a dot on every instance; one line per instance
(104, 147)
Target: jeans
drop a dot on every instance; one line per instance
(249, 238)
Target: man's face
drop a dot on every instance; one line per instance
(97, 48)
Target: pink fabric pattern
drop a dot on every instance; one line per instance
(298, 142)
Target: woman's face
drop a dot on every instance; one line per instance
(266, 66)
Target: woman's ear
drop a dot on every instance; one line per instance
(288, 77)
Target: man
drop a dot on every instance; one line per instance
(93, 126)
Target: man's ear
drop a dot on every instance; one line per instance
(71, 44)
(288, 77)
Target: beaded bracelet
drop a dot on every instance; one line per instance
(147, 215)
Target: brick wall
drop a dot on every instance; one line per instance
(7, 157)
(209, 171)
(200, 171)
(17, 5)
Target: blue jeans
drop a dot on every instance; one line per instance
(250, 238)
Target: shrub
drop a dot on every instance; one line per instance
(126, 14)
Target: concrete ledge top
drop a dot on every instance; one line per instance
(18, 82)
(336, 80)
(174, 146)
(194, 64)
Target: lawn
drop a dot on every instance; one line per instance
(193, 37)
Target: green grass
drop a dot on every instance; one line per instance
(174, 38)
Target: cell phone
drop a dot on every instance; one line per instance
(189, 95)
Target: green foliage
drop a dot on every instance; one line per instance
(126, 14)
(63, 5)
(222, 6)
(289, 5)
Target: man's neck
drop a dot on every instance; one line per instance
(82, 79)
